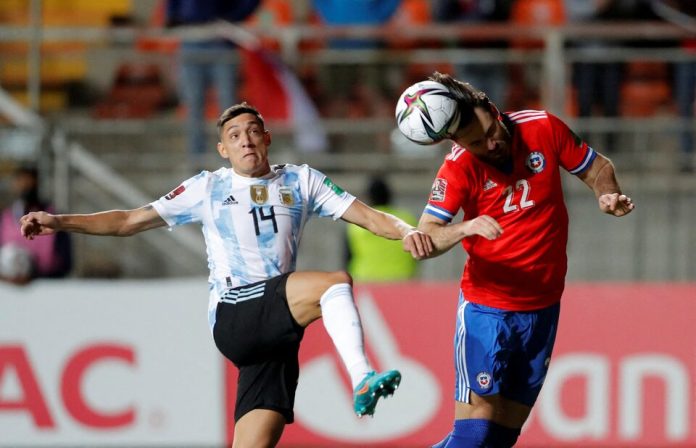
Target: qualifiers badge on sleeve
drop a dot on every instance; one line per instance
(335, 188)
(175, 192)
(439, 190)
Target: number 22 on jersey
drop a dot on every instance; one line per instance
(512, 197)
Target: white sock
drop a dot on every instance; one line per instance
(342, 322)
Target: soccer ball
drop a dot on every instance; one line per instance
(427, 113)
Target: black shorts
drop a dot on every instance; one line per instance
(255, 330)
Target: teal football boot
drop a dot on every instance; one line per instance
(372, 388)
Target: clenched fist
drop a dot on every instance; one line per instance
(615, 204)
(38, 223)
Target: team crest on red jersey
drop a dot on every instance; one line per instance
(175, 192)
(535, 162)
(439, 190)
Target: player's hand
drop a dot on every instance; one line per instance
(37, 223)
(484, 226)
(615, 204)
(418, 243)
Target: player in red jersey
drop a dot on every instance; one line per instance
(504, 173)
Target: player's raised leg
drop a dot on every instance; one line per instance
(330, 295)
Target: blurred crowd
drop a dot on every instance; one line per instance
(216, 72)
(597, 88)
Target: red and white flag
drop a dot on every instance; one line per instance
(275, 90)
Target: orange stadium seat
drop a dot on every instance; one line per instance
(138, 91)
(646, 89)
(537, 13)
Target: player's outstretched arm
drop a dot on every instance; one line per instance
(445, 236)
(601, 178)
(389, 226)
(113, 222)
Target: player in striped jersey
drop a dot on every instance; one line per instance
(252, 216)
(504, 174)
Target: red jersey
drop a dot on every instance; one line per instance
(525, 268)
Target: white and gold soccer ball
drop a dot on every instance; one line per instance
(427, 113)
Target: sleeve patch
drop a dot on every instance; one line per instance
(175, 192)
(336, 189)
(439, 190)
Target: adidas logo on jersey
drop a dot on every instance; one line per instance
(229, 201)
(489, 184)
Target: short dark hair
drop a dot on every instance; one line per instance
(468, 97)
(235, 111)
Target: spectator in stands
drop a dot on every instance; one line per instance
(373, 259)
(683, 14)
(20, 260)
(598, 84)
(684, 91)
(490, 77)
(352, 83)
(346, 78)
(205, 63)
(365, 12)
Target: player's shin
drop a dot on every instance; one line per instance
(342, 322)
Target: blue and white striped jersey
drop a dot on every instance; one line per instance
(252, 226)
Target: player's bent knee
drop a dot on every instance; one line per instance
(337, 277)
